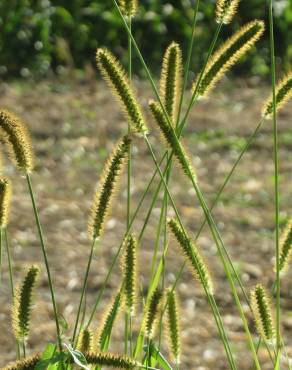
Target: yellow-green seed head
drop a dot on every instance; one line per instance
(283, 94)
(110, 359)
(110, 315)
(107, 186)
(225, 10)
(129, 268)
(261, 307)
(116, 77)
(227, 55)
(171, 139)
(193, 256)
(171, 80)
(85, 341)
(15, 135)
(286, 247)
(172, 323)
(27, 363)
(129, 7)
(22, 305)
(5, 199)
(153, 313)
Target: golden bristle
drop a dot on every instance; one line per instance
(116, 77)
(172, 322)
(191, 252)
(129, 7)
(22, 305)
(85, 341)
(27, 363)
(227, 55)
(106, 189)
(171, 80)
(129, 267)
(225, 10)
(15, 135)
(110, 359)
(153, 313)
(261, 307)
(283, 94)
(5, 199)
(286, 247)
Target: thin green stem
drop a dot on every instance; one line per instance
(209, 296)
(188, 62)
(11, 280)
(43, 247)
(92, 250)
(276, 177)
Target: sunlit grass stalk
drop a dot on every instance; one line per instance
(44, 252)
(210, 297)
(11, 278)
(128, 317)
(218, 241)
(93, 248)
(276, 178)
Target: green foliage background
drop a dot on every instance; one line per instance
(37, 36)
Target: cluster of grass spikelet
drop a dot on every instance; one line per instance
(147, 316)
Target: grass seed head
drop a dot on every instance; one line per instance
(283, 94)
(106, 189)
(27, 363)
(129, 7)
(22, 305)
(115, 75)
(153, 313)
(191, 252)
(129, 267)
(225, 10)
(227, 55)
(110, 359)
(169, 135)
(171, 80)
(286, 247)
(85, 341)
(172, 323)
(15, 135)
(110, 315)
(5, 199)
(260, 303)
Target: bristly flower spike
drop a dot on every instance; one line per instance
(108, 184)
(116, 77)
(260, 303)
(110, 315)
(110, 359)
(169, 135)
(15, 135)
(85, 341)
(153, 313)
(171, 80)
(27, 363)
(173, 329)
(22, 305)
(129, 267)
(129, 7)
(5, 199)
(191, 252)
(283, 94)
(286, 247)
(228, 54)
(225, 10)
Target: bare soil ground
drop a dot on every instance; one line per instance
(73, 127)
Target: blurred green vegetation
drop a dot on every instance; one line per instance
(38, 36)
